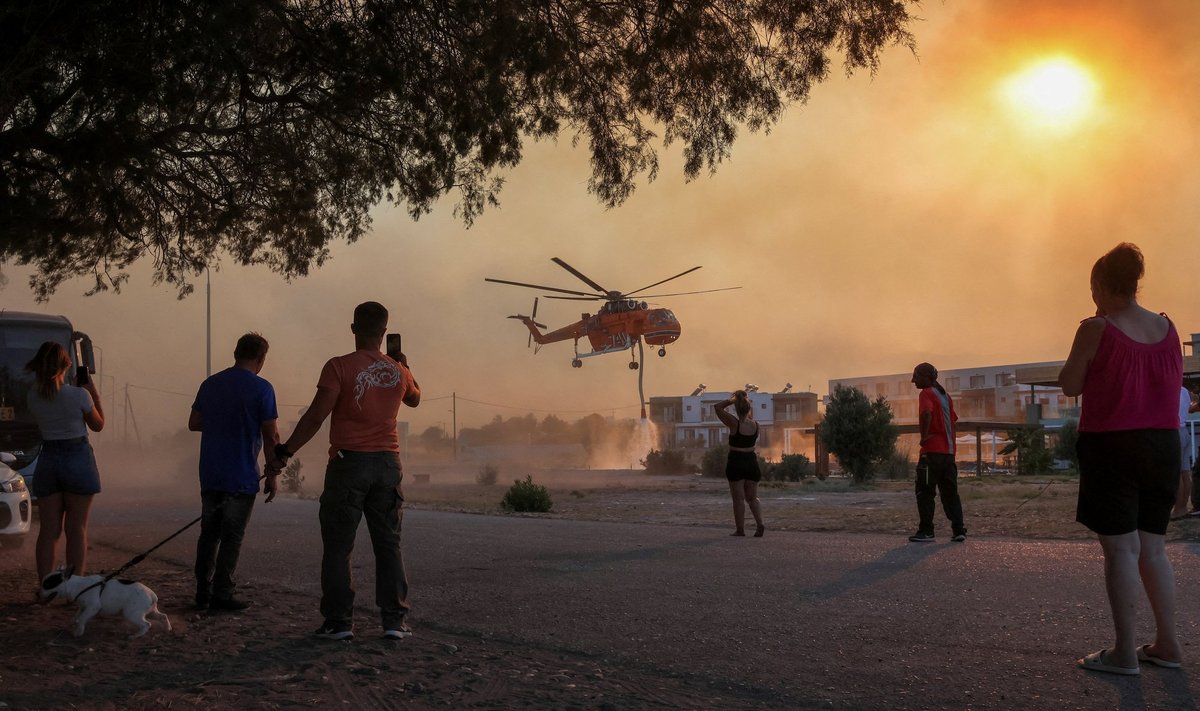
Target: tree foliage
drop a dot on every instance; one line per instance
(712, 462)
(526, 496)
(790, 467)
(590, 431)
(1030, 445)
(1064, 447)
(666, 461)
(858, 431)
(435, 439)
(264, 129)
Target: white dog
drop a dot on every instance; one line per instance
(134, 601)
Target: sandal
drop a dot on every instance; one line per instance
(1095, 662)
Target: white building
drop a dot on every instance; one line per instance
(993, 393)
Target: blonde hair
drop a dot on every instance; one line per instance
(51, 359)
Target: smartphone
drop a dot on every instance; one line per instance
(81, 375)
(393, 345)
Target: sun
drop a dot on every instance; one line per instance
(1054, 94)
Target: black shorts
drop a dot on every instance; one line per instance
(1127, 480)
(742, 466)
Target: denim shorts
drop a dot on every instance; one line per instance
(66, 466)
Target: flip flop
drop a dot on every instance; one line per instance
(1144, 656)
(1095, 662)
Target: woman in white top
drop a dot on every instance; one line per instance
(66, 477)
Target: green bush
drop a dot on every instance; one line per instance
(713, 461)
(525, 496)
(668, 461)
(897, 466)
(791, 467)
(488, 475)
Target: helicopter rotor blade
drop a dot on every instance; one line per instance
(532, 317)
(664, 281)
(680, 293)
(576, 298)
(579, 274)
(543, 288)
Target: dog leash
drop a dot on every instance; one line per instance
(142, 556)
(1031, 498)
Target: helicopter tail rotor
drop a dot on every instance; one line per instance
(533, 317)
(530, 320)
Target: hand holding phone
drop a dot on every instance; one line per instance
(393, 345)
(81, 376)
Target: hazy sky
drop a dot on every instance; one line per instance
(914, 215)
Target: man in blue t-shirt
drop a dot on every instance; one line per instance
(235, 413)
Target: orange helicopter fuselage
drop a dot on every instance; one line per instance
(616, 327)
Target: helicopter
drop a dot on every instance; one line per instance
(619, 324)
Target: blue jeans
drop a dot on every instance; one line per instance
(223, 520)
(358, 484)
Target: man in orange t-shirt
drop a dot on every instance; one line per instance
(362, 391)
(936, 469)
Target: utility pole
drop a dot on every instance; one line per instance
(208, 323)
(454, 423)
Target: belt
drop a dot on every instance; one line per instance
(72, 440)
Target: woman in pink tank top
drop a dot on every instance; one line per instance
(1127, 364)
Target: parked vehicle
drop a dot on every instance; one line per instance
(14, 504)
(21, 334)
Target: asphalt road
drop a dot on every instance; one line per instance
(807, 620)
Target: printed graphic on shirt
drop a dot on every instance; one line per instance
(380, 374)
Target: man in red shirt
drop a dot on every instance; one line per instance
(362, 391)
(936, 470)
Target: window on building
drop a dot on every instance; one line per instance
(952, 383)
(1003, 379)
(977, 381)
(689, 408)
(881, 388)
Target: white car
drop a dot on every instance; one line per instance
(15, 509)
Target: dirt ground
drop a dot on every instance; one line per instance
(994, 506)
(267, 660)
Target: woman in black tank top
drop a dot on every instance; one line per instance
(741, 470)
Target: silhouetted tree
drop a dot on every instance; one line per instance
(435, 439)
(553, 430)
(1030, 445)
(858, 431)
(1064, 447)
(264, 129)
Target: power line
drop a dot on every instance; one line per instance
(433, 399)
(535, 409)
